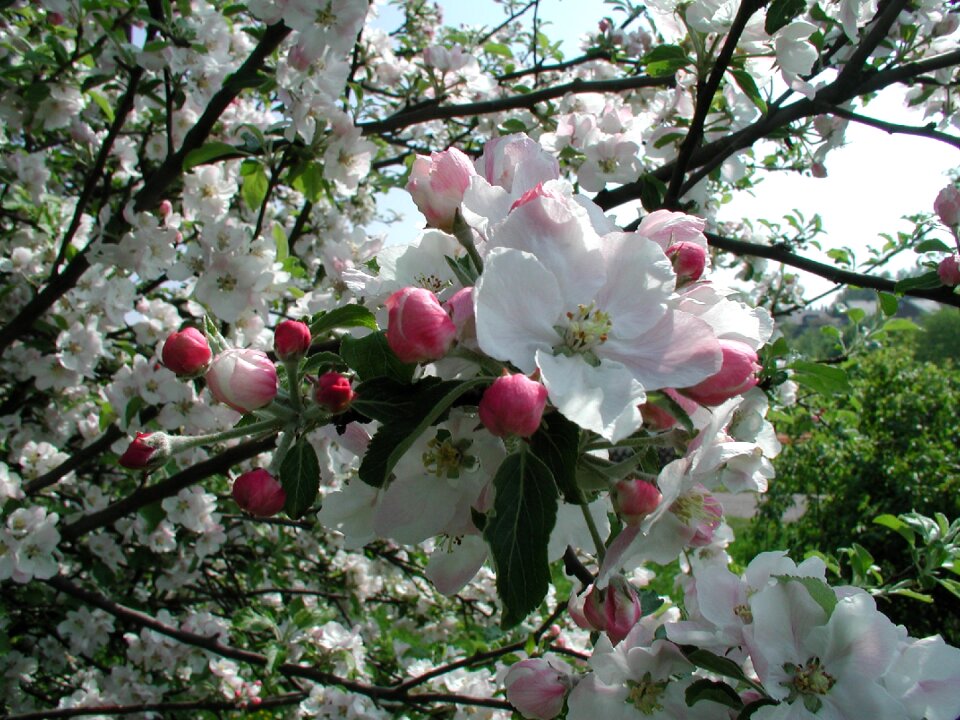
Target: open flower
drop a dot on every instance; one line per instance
(594, 314)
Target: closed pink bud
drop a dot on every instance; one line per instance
(437, 184)
(947, 206)
(55, 18)
(166, 207)
(621, 608)
(737, 374)
(291, 340)
(186, 352)
(418, 328)
(818, 170)
(244, 379)
(537, 687)
(513, 405)
(147, 451)
(949, 270)
(634, 499)
(333, 392)
(689, 260)
(259, 493)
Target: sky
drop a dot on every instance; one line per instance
(872, 181)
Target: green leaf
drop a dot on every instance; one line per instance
(665, 60)
(713, 662)
(133, 407)
(255, 187)
(932, 245)
(300, 477)
(206, 153)
(280, 237)
(898, 526)
(819, 591)
(557, 444)
(900, 325)
(513, 125)
(781, 13)
(927, 281)
(500, 49)
(856, 314)
(715, 691)
(888, 303)
(102, 103)
(312, 178)
(392, 440)
(315, 362)
(952, 585)
(913, 594)
(389, 401)
(371, 357)
(652, 190)
(821, 378)
(524, 513)
(342, 317)
(749, 86)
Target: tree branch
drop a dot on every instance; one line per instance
(926, 131)
(406, 118)
(705, 94)
(165, 488)
(834, 274)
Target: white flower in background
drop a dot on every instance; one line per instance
(60, 107)
(347, 160)
(193, 508)
(81, 347)
(207, 192)
(9, 485)
(796, 55)
(610, 158)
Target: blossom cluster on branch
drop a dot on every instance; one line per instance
(258, 454)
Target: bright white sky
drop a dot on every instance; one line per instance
(872, 181)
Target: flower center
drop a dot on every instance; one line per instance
(809, 683)
(584, 330)
(445, 457)
(646, 695)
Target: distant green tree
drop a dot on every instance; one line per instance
(939, 342)
(890, 446)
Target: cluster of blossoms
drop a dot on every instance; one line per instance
(785, 644)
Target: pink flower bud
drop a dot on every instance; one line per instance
(537, 688)
(259, 493)
(418, 328)
(947, 206)
(818, 170)
(437, 184)
(291, 340)
(949, 270)
(621, 607)
(737, 374)
(166, 207)
(634, 499)
(333, 392)
(614, 609)
(186, 352)
(147, 451)
(513, 405)
(242, 378)
(689, 260)
(55, 18)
